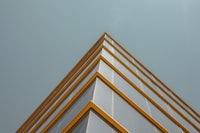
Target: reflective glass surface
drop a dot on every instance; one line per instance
(138, 64)
(73, 110)
(180, 109)
(97, 125)
(173, 96)
(122, 85)
(44, 124)
(130, 91)
(69, 97)
(182, 121)
(106, 71)
(121, 111)
(103, 96)
(119, 48)
(81, 127)
(130, 118)
(165, 121)
(118, 55)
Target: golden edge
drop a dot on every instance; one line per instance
(67, 94)
(132, 104)
(100, 112)
(153, 75)
(84, 89)
(102, 58)
(54, 92)
(146, 96)
(72, 101)
(151, 88)
(70, 90)
(69, 104)
(153, 82)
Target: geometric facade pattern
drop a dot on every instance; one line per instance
(110, 91)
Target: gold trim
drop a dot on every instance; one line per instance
(80, 66)
(151, 88)
(145, 95)
(153, 75)
(100, 112)
(66, 94)
(153, 81)
(132, 103)
(70, 103)
(116, 90)
(59, 86)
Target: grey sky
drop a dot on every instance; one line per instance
(41, 40)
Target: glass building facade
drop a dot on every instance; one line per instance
(110, 91)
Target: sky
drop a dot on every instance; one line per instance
(41, 40)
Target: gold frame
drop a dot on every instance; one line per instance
(153, 75)
(92, 106)
(151, 88)
(52, 97)
(123, 96)
(78, 69)
(152, 80)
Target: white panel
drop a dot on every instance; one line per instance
(81, 127)
(130, 118)
(97, 125)
(165, 121)
(73, 110)
(103, 96)
(69, 97)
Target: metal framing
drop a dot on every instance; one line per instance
(123, 96)
(151, 88)
(145, 95)
(93, 107)
(66, 94)
(154, 76)
(152, 81)
(39, 116)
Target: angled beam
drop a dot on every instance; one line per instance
(92, 106)
(168, 88)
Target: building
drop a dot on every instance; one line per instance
(110, 91)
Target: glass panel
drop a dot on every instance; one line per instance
(108, 38)
(130, 118)
(143, 70)
(192, 120)
(122, 51)
(103, 96)
(84, 70)
(81, 127)
(105, 43)
(117, 54)
(182, 121)
(148, 81)
(127, 89)
(162, 103)
(73, 111)
(121, 84)
(121, 68)
(127, 73)
(106, 71)
(165, 121)
(155, 97)
(112, 104)
(180, 109)
(106, 55)
(97, 125)
(124, 60)
(69, 97)
(180, 102)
